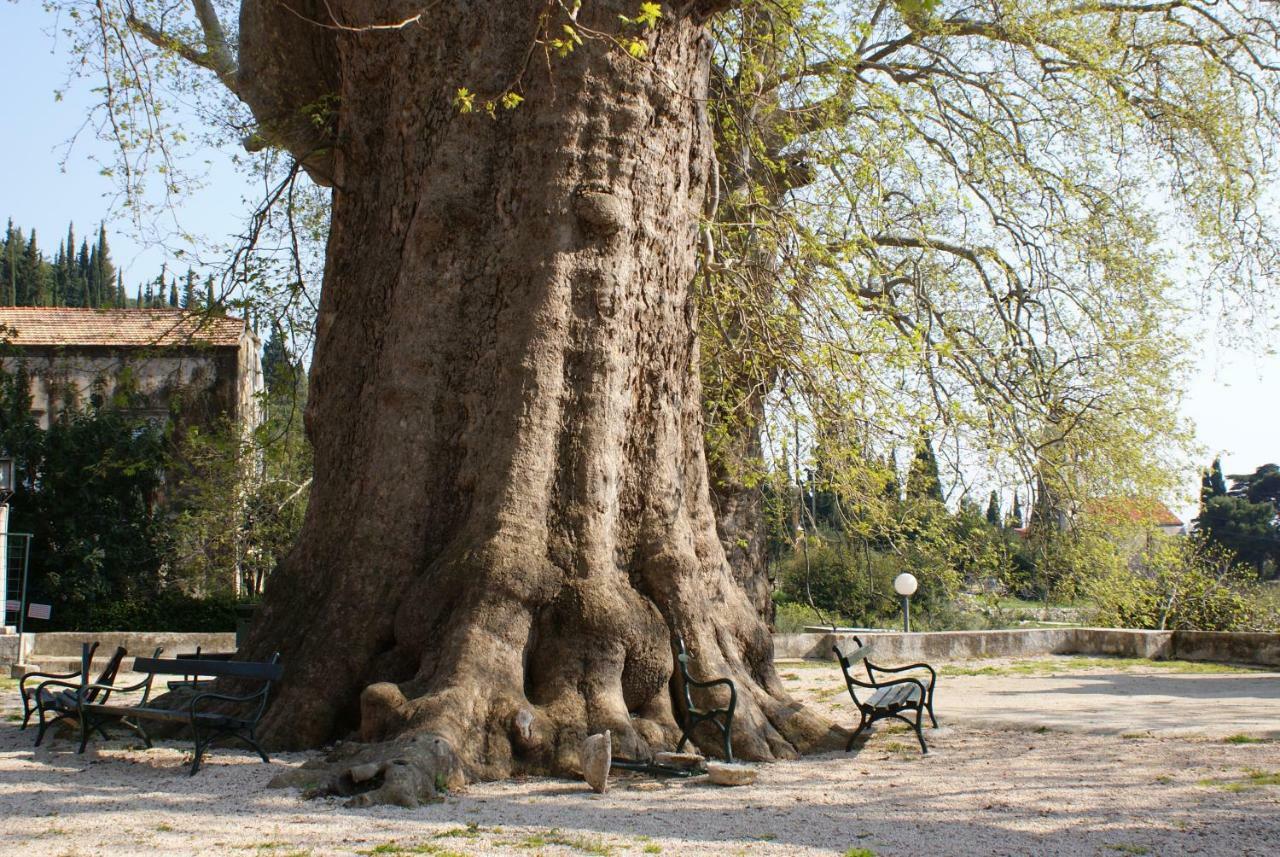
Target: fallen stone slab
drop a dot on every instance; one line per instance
(727, 774)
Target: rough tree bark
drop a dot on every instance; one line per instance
(510, 514)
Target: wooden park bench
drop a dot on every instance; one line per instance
(53, 696)
(207, 723)
(888, 698)
(721, 718)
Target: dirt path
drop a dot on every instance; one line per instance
(982, 790)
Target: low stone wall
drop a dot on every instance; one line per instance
(8, 652)
(62, 648)
(1263, 649)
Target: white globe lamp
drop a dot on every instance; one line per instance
(905, 585)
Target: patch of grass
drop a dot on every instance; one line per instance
(1253, 779)
(859, 852)
(164, 828)
(1040, 730)
(791, 676)
(1126, 848)
(1243, 739)
(1133, 736)
(471, 831)
(652, 848)
(13, 718)
(1164, 778)
(556, 837)
(393, 848)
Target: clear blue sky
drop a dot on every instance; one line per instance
(1233, 398)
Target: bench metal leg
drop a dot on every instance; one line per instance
(195, 762)
(728, 747)
(684, 737)
(862, 724)
(85, 728)
(916, 727)
(44, 724)
(252, 742)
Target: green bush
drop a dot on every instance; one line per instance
(170, 610)
(1181, 584)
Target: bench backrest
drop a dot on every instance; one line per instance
(270, 671)
(850, 660)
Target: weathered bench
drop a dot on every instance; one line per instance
(54, 697)
(721, 718)
(888, 698)
(207, 725)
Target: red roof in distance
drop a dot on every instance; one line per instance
(128, 328)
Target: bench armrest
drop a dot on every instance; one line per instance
(227, 697)
(933, 675)
(55, 682)
(733, 690)
(22, 684)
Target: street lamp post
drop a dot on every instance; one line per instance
(905, 585)
(6, 491)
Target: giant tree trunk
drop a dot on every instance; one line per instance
(510, 514)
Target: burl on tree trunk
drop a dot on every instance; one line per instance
(510, 515)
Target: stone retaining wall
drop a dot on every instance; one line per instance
(1261, 649)
(60, 648)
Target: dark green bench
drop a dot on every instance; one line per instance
(721, 718)
(54, 696)
(207, 723)
(888, 698)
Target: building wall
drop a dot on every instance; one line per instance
(209, 381)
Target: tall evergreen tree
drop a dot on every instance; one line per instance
(923, 481)
(993, 509)
(173, 294)
(36, 275)
(1015, 514)
(9, 263)
(189, 290)
(104, 272)
(121, 299)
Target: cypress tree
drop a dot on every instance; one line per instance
(173, 294)
(121, 299)
(105, 272)
(923, 481)
(189, 290)
(36, 274)
(1015, 516)
(9, 292)
(993, 509)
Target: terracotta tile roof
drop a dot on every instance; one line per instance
(116, 327)
(1117, 510)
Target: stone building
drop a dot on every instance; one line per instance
(202, 366)
(191, 367)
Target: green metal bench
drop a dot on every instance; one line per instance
(721, 718)
(207, 725)
(55, 698)
(888, 698)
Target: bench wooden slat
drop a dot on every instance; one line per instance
(182, 715)
(236, 669)
(887, 697)
(858, 654)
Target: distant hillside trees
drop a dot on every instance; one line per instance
(83, 275)
(1243, 519)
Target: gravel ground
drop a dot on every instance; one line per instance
(1106, 759)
